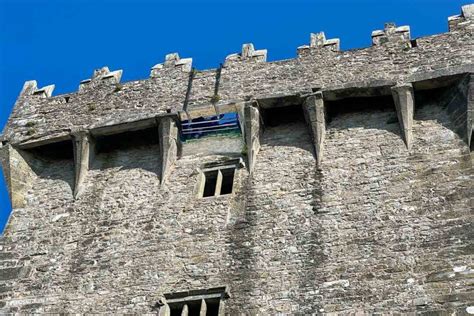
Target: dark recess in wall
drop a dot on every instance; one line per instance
(360, 104)
(55, 151)
(282, 115)
(127, 140)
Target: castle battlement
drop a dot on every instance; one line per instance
(340, 181)
(175, 86)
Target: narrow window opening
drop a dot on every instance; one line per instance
(414, 43)
(213, 307)
(227, 180)
(210, 184)
(194, 307)
(175, 310)
(66, 99)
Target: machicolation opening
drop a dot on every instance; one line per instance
(53, 161)
(54, 151)
(128, 149)
(352, 105)
(127, 140)
(276, 116)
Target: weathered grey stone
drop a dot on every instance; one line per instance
(315, 118)
(470, 110)
(468, 11)
(164, 310)
(248, 53)
(83, 155)
(391, 34)
(168, 138)
(404, 99)
(459, 102)
(172, 61)
(10, 273)
(102, 76)
(252, 134)
(45, 92)
(377, 230)
(203, 311)
(17, 173)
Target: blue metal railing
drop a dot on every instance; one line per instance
(211, 125)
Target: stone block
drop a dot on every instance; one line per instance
(314, 112)
(404, 99)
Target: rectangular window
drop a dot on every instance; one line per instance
(218, 182)
(195, 303)
(210, 183)
(227, 180)
(217, 178)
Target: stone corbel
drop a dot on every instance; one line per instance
(404, 99)
(168, 138)
(252, 133)
(83, 155)
(315, 118)
(17, 173)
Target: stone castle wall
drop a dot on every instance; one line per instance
(364, 206)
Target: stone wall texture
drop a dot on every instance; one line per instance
(369, 227)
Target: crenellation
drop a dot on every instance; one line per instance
(286, 183)
(101, 76)
(392, 34)
(248, 54)
(319, 41)
(463, 20)
(45, 92)
(172, 61)
(31, 88)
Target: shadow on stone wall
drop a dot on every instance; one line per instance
(130, 150)
(286, 126)
(52, 162)
(448, 105)
(379, 113)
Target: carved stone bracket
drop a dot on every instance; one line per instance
(252, 133)
(168, 138)
(315, 118)
(82, 143)
(404, 99)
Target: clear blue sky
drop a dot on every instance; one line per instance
(61, 42)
